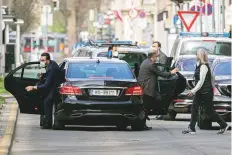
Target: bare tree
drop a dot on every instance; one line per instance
(71, 23)
(28, 11)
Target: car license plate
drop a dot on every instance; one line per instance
(98, 92)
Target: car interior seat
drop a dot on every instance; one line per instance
(112, 72)
(77, 73)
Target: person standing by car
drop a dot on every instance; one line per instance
(147, 78)
(203, 94)
(162, 59)
(52, 81)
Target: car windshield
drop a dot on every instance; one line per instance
(189, 64)
(223, 68)
(93, 70)
(214, 47)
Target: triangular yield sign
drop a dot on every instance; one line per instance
(192, 14)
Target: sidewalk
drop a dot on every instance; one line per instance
(8, 118)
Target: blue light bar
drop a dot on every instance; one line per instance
(113, 42)
(99, 41)
(204, 34)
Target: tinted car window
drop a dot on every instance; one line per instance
(101, 70)
(102, 54)
(189, 64)
(214, 47)
(82, 53)
(223, 68)
(132, 58)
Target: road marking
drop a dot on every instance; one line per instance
(5, 143)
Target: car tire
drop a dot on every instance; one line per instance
(203, 121)
(122, 127)
(138, 125)
(171, 116)
(58, 125)
(42, 117)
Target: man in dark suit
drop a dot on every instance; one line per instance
(147, 78)
(162, 58)
(52, 81)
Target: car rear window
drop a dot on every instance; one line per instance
(223, 68)
(99, 71)
(214, 47)
(189, 64)
(102, 54)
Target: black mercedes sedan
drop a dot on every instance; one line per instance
(221, 71)
(96, 91)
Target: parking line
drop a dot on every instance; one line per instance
(5, 143)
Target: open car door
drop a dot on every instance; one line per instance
(167, 89)
(16, 82)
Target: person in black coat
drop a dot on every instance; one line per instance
(203, 94)
(147, 78)
(52, 81)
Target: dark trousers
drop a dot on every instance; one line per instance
(147, 100)
(150, 102)
(207, 100)
(48, 107)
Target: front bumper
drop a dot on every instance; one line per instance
(222, 105)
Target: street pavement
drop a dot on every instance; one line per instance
(165, 138)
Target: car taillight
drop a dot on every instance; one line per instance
(70, 90)
(136, 90)
(178, 100)
(215, 91)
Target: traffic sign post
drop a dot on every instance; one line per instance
(194, 15)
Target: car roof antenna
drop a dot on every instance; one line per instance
(98, 61)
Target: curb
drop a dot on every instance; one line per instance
(7, 139)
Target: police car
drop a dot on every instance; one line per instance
(96, 91)
(123, 50)
(188, 42)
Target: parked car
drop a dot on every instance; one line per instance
(187, 43)
(96, 92)
(221, 72)
(126, 51)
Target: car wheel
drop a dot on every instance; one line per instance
(42, 117)
(121, 127)
(171, 115)
(57, 124)
(203, 121)
(138, 125)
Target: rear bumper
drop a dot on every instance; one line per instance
(103, 113)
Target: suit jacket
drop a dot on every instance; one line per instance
(52, 77)
(162, 59)
(148, 75)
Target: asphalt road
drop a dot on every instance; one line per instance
(165, 138)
